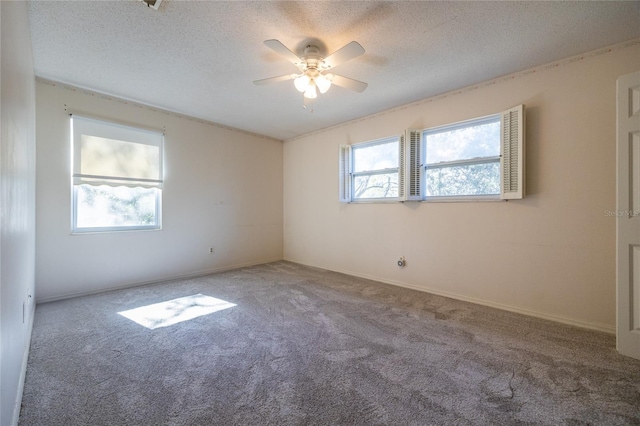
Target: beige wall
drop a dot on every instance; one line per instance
(551, 254)
(223, 188)
(17, 205)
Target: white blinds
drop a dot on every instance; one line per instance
(512, 158)
(345, 173)
(401, 167)
(414, 167)
(112, 154)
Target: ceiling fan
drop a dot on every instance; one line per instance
(314, 73)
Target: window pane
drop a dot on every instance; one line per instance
(121, 206)
(112, 158)
(375, 157)
(375, 186)
(463, 143)
(475, 179)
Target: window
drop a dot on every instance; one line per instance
(116, 178)
(477, 159)
(372, 171)
(463, 159)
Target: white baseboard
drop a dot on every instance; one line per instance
(157, 280)
(516, 309)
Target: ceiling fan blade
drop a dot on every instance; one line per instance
(347, 52)
(349, 83)
(275, 79)
(283, 50)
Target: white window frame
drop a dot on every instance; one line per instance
(412, 167)
(465, 162)
(511, 159)
(77, 178)
(347, 175)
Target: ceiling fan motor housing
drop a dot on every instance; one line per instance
(312, 57)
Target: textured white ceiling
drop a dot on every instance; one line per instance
(200, 58)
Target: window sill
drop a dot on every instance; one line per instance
(464, 199)
(94, 231)
(376, 201)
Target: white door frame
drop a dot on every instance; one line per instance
(628, 216)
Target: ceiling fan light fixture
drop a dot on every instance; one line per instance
(323, 83)
(311, 93)
(302, 83)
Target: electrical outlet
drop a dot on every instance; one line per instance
(211, 250)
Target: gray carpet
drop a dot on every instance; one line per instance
(308, 346)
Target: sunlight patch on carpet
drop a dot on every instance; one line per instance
(177, 310)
